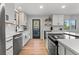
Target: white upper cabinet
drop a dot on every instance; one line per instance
(55, 19)
(61, 19)
(21, 18)
(9, 11)
(58, 19)
(17, 18)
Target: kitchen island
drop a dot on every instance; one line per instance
(66, 45)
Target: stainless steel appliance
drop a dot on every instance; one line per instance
(17, 43)
(2, 29)
(52, 46)
(53, 43)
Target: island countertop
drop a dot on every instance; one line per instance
(62, 32)
(72, 44)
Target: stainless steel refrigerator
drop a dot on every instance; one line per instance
(2, 30)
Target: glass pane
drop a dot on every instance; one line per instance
(66, 24)
(72, 24)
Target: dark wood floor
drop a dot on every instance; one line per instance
(34, 47)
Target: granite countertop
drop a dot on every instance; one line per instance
(11, 34)
(62, 32)
(72, 44)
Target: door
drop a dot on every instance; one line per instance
(36, 28)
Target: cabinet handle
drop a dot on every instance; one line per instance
(9, 48)
(17, 37)
(9, 40)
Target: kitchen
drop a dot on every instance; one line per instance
(57, 28)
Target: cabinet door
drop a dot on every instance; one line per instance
(61, 49)
(69, 52)
(61, 19)
(25, 19)
(9, 11)
(10, 51)
(55, 19)
(72, 37)
(17, 18)
(67, 36)
(21, 19)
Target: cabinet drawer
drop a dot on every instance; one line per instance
(9, 51)
(9, 43)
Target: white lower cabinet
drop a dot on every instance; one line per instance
(72, 37)
(9, 51)
(68, 52)
(46, 41)
(61, 50)
(25, 37)
(66, 36)
(9, 46)
(9, 43)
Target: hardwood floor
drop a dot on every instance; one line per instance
(34, 47)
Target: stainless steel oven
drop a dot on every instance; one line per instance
(52, 46)
(53, 43)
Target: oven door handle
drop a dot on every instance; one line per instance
(52, 43)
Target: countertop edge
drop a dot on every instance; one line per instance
(73, 51)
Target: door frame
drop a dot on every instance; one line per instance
(39, 28)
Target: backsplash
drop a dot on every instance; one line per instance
(10, 29)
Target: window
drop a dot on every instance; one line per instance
(69, 24)
(66, 24)
(73, 24)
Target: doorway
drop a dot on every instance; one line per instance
(36, 28)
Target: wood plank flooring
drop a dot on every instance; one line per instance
(34, 47)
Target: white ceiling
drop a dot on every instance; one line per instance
(49, 8)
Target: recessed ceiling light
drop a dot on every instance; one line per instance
(63, 6)
(41, 6)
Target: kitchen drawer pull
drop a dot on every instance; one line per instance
(9, 48)
(17, 37)
(9, 37)
(9, 40)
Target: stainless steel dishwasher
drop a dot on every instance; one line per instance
(17, 43)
